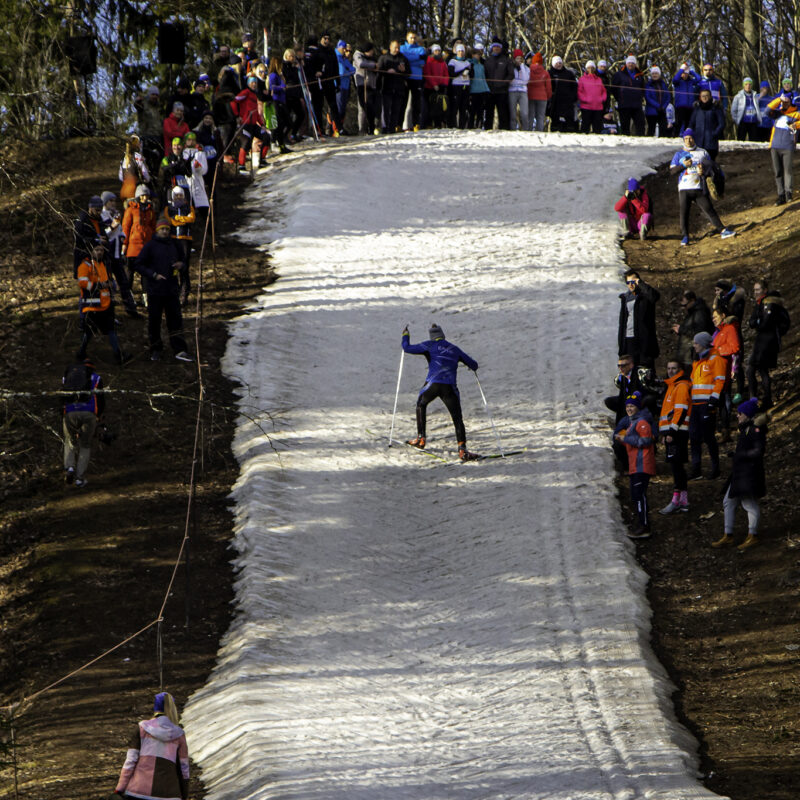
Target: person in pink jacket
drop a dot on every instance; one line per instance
(591, 97)
(540, 90)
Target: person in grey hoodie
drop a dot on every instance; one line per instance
(366, 78)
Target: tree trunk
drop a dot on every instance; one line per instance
(456, 19)
(398, 14)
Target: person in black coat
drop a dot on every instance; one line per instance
(770, 321)
(393, 71)
(160, 263)
(627, 86)
(708, 123)
(637, 321)
(747, 481)
(697, 318)
(565, 95)
(499, 70)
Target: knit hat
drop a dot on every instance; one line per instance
(341, 43)
(537, 58)
(203, 78)
(703, 339)
(158, 705)
(153, 90)
(252, 79)
(630, 59)
(435, 48)
(749, 407)
(517, 53)
(176, 140)
(655, 70)
(189, 135)
(460, 48)
(688, 132)
(177, 106)
(435, 332)
(555, 60)
(106, 196)
(787, 79)
(478, 46)
(95, 201)
(177, 191)
(602, 63)
(634, 399)
(746, 80)
(633, 185)
(763, 85)
(142, 190)
(590, 64)
(163, 223)
(726, 286)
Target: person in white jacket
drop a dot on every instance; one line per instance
(518, 93)
(746, 112)
(460, 69)
(194, 152)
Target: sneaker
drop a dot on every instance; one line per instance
(417, 441)
(712, 188)
(683, 506)
(727, 233)
(643, 231)
(695, 475)
(750, 541)
(244, 170)
(69, 475)
(183, 356)
(155, 355)
(781, 200)
(670, 508)
(684, 241)
(80, 482)
(788, 197)
(639, 532)
(724, 541)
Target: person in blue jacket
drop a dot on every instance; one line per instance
(346, 72)
(711, 81)
(417, 55)
(708, 123)
(657, 96)
(627, 86)
(685, 83)
(764, 98)
(443, 359)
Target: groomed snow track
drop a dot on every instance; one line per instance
(406, 628)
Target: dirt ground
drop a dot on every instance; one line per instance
(82, 570)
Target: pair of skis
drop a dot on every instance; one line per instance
(439, 457)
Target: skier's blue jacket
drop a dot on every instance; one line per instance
(443, 358)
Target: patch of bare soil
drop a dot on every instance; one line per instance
(726, 624)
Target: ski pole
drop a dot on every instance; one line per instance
(396, 396)
(488, 414)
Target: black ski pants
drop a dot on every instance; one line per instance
(170, 307)
(450, 397)
(499, 101)
(702, 429)
(677, 456)
(628, 117)
(639, 483)
(689, 196)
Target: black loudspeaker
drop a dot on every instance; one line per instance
(82, 54)
(171, 43)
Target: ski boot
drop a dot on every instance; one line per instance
(464, 454)
(418, 441)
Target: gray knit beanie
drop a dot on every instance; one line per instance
(435, 332)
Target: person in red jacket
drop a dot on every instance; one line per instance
(435, 80)
(636, 432)
(174, 126)
(634, 212)
(245, 106)
(540, 90)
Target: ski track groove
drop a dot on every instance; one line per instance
(405, 628)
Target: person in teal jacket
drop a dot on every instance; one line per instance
(478, 89)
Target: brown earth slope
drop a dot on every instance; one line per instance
(80, 571)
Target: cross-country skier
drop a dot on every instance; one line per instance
(443, 359)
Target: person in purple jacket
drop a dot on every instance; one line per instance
(657, 96)
(443, 359)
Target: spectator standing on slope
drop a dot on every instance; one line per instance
(294, 95)
(627, 382)
(770, 320)
(764, 97)
(443, 360)
(711, 81)
(708, 123)
(518, 93)
(87, 229)
(592, 99)
(139, 226)
(730, 300)
(393, 71)
(633, 209)
(366, 78)
(685, 83)
(673, 428)
(540, 90)
(82, 411)
(346, 72)
(694, 167)
(747, 482)
(628, 89)
(460, 71)
(697, 318)
(416, 55)
(637, 321)
(725, 341)
(657, 97)
(605, 76)
(635, 432)
(436, 79)
(478, 89)
(708, 381)
(499, 74)
(564, 98)
(174, 126)
(746, 113)
(112, 228)
(157, 763)
(782, 143)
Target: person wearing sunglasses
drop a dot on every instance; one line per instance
(637, 321)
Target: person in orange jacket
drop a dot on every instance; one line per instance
(708, 382)
(635, 431)
(726, 341)
(673, 427)
(96, 303)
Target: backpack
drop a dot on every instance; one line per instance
(78, 379)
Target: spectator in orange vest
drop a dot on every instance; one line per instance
(708, 381)
(673, 427)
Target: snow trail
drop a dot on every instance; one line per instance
(407, 628)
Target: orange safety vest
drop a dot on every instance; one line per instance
(708, 378)
(94, 285)
(677, 404)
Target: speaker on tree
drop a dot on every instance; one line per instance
(82, 54)
(171, 43)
